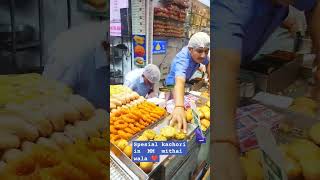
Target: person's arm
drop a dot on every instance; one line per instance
(314, 29)
(54, 70)
(181, 65)
(291, 25)
(208, 71)
(128, 84)
(178, 115)
(228, 24)
(226, 92)
(128, 81)
(153, 91)
(224, 140)
(208, 68)
(179, 91)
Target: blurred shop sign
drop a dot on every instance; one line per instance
(115, 17)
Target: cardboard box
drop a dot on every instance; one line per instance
(279, 79)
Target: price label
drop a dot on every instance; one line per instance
(200, 138)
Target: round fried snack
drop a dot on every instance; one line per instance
(205, 122)
(139, 125)
(82, 105)
(168, 132)
(120, 124)
(122, 144)
(143, 123)
(180, 136)
(314, 133)
(114, 138)
(113, 130)
(124, 135)
(159, 138)
(146, 166)
(149, 133)
(128, 119)
(142, 138)
(128, 151)
(129, 130)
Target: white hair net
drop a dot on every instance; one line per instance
(152, 73)
(199, 39)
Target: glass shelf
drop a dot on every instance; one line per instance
(21, 46)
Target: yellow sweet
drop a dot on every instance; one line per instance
(252, 169)
(205, 123)
(142, 138)
(168, 132)
(180, 136)
(307, 102)
(254, 155)
(146, 166)
(207, 115)
(160, 138)
(303, 149)
(149, 133)
(128, 151)
(205, 109)
(203, 128)
(200, 112)
(303, 109)
(314, 133)
(293, 168)
(122, 144)
(310, 168)
(189, 115)
(208, 103)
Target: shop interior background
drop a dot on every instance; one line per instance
(121, 62)
(54, 20)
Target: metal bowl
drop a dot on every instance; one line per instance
(23, 33)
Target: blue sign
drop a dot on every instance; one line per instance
(149, 151)
(159, 47)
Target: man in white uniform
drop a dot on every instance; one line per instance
(143, 80)
(79, 58)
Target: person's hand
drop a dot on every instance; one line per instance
(293, 28)
(179, 116)
(291, 24)
(227, 165)
(315, 88)
(317, 77)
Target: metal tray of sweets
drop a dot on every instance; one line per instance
(162, 158)
(119, 171)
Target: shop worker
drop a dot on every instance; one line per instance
(240, 28)
(80, 61)
(143, 80)
(186, 62)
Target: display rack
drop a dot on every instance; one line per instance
(14, 47)
(180, 23)
(116, 75)
(204, 21)
(125, 39)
